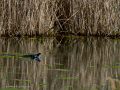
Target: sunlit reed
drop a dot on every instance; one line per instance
(36, 17)
(114, 83)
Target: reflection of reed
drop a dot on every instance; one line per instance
(83, 57)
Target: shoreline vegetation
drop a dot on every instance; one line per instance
(63, 17)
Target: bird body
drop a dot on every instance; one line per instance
(33, 56)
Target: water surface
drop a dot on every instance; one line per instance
(81, 63)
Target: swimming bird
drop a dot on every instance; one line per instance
(33, 56)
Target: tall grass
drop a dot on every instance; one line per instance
(79, 17)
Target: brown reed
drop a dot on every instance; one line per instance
(112, 83)
(80, 17)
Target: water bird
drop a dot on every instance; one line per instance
(34, 56)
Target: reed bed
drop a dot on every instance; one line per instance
(78, 17)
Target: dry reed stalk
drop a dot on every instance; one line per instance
(35, 17)
(112, 83)
(27, 17)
